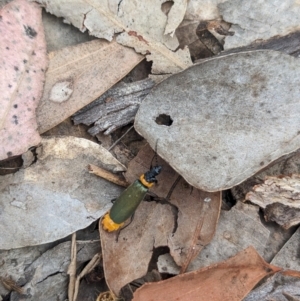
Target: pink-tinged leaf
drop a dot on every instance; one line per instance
(23, 63)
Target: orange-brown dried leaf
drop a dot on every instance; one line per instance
(230, 280)
(185, 225)
(197, 220)
(126, 254)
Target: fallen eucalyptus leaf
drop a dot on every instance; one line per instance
(185, 221)
(237, 229)
(141, 25)
(186, 34)
(278, 287)
(229, 280)
(15, 261)
(55, 196)
(126, 255)
(259, 20)
(288, 256)
(79, 74)
(46, 278)
(23, 62)
(228, 117)
(60, 35)
(203, 10)
(197, 211)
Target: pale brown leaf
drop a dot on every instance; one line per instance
(79, 74)
(141, 25)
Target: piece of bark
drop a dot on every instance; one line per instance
(115, 108)
(114, 120)
(283, 215)
(72, 268)
(280, 197)
(281, 189)
(288, 164)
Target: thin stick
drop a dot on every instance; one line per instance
(88, 268)
(117, 141)
(72, 269)
(8, 168)
(107, 175)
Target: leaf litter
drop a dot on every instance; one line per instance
(181, 182)
(231, 115)
(77, 75)
(280, 198)
(140, 25)
(186, 222)
(239, 273)
(56, 194)
(22, 71)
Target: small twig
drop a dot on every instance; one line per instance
(88, 268)
(107, 175)
(72, 269)
(10, 167)
(117, 141)
(11, 285)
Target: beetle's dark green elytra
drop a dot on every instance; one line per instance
(126, 204)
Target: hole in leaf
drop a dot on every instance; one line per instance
(164, 119)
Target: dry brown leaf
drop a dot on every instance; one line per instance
(79, 74)
(186, 34)
(126, 255)
(197, 219)
(154, 224)
(230, 280)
